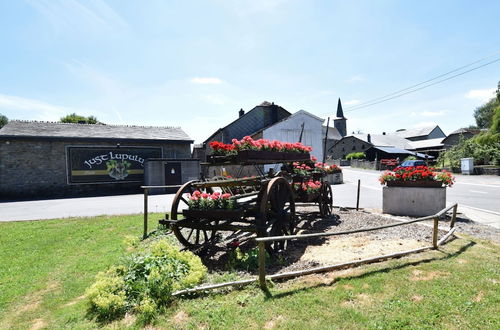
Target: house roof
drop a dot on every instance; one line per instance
(289, 117)
(414, 132)
(392, 150)
(241, 126)
(431, 143)
(333, 133)
(387, 140)
(39, 129)
(466, 130)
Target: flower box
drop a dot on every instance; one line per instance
(413, 201)
(249, 155)
(214, 214)
(417, 183)
(335, 178)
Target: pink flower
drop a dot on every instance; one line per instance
(205, 195)
(197, 193)
(226, 195)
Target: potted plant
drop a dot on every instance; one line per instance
(307, 191)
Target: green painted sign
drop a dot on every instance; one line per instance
(108, 164)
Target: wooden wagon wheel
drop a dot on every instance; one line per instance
(189, 237)
(277, 213)
(325, 200)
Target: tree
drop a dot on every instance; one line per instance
(484, 113)
(77, 119)
(3, 120)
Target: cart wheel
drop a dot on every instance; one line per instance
(189, 237)
(326, 200)
(277, 213)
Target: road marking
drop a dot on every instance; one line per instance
(478, 209)
(478, 192)
(480, 185)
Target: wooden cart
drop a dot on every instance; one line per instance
(265, 205)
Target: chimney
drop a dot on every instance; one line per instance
(241, 112)
(369, 138)
(383, 133)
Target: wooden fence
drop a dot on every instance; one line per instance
(262, 278)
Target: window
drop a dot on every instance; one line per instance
(353, 147)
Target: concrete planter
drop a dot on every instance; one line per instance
(335, 178)
(413, 201)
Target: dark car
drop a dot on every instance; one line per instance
(414, 163)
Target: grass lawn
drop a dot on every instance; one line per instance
(47, 265)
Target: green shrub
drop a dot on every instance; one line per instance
(356, 155)
(145, 282)
(248, 260)
(107, 296)
(411, 158)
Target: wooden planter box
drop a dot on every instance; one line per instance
(335, 178)
(250, 155)
(306, 198)
(215, 214)
(413, 201)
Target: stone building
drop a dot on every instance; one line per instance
(43, 159)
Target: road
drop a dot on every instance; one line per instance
(478, 198)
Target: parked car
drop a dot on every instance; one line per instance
(408, 163)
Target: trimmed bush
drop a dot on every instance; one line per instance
(144, 283)
(355, 155)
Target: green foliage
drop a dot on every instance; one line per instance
(484, 113)
(78, 119)
(356, 155)
(145, 282)
(248, 260)
(411, 158)
(3, 120)
(483, 154)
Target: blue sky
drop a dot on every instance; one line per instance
(194, 64)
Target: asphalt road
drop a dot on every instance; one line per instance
(478, 197)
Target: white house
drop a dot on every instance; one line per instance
(290, 128)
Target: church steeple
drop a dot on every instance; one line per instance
(340, 113)
(340, 121)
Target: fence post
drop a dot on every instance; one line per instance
(145, 235)
(435, 233)
(454, 216)
(262, 265)
(357, 196)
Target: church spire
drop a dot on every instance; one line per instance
(340, 112)
(340, 121)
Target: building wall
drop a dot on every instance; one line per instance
(453, 139)
(347, 145)
(37, 168)
(289, 131)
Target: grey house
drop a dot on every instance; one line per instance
(44, 159)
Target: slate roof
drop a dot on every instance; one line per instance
(414, 132)
(385, 140)
(258, 118)
(333, 133)
(52, 130)
(287, 118)
(431, 143)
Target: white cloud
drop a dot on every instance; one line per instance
(483, 95)
(352, 102)
(206, 80)
(356, 78)
(42, 110)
